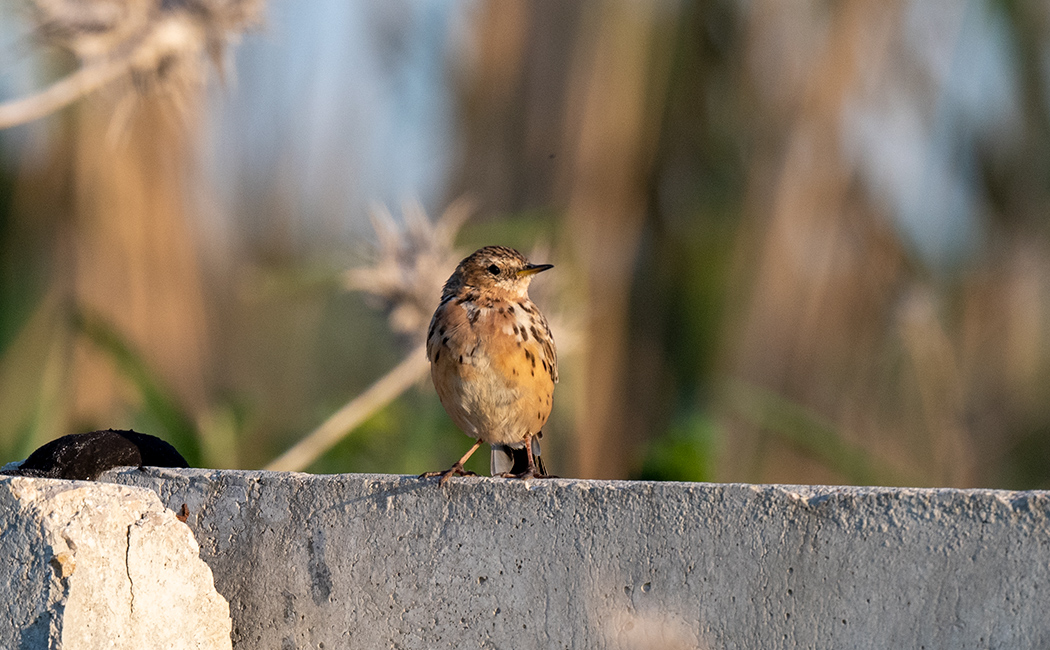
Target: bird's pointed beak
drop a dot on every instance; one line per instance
(533, 269)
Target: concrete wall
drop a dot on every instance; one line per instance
(373, 561)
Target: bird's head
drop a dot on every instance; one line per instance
(497, 269)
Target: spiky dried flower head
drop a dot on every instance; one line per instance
(150, 44)
(94, 29)
(411, 263)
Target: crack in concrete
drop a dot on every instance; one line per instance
(127, 569)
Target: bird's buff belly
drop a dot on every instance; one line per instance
(485, 405)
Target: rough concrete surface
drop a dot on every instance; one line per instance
(93, 565)
(369, 561)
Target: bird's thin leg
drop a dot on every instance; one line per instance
(532, 471)
(457, 467)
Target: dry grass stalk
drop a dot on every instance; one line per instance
(350, 416)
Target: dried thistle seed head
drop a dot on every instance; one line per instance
(101, 28)
(411, 262)
(155, 46)
(92, 29)
(223, 20)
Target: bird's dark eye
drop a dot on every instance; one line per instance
(494, 270)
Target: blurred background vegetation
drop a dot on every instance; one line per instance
(794, 242)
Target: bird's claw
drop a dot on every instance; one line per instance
(526, 475)
(455, 470)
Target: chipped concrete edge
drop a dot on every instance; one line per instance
(98, 565)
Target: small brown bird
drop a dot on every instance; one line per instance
(493, 361)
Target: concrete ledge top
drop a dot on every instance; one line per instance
(862, 505)
(804, 492)
(394, 561)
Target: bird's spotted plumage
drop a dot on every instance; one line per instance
(492, 357)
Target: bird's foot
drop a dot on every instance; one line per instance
(531, 472)
(455, 470)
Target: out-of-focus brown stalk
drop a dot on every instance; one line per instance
(799, 267)
(940, 389)
(492, 97)
(619, 69)
(135, 250)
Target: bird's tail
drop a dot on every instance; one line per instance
(510, 460)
